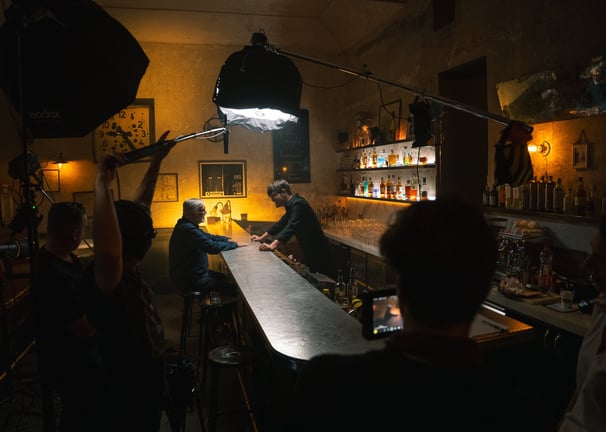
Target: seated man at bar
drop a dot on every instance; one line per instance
(188, 251)
(301, 221)
(429, 375)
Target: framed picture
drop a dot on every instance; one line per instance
(87, 199)
(167, 188)
(129, 129)
(222, 178)
(389, 120)
(51, 180)
(580, 156)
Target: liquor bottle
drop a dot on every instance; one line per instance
(493, 199)
(352, 287)
(382, 188)
(424, 195)
(356, 162)
(340, 289)
(352, 186)
(558, 197)
(414, 189)
(541, 194)
(567, 202)
(364, 160)
(389, 188)
(545, 270)
(382, 159)
(361, 187)
(549, 186)
(526, 196)
(486, 196)
(371, 187)
(580, 199)
(532, 194)
(366, 194)
(405, 156)
(399, 191)
(374, 158)
(392, 159)
(407, 189)
(590, 205)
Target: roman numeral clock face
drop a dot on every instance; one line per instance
(129, 129)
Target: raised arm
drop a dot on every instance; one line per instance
(106, 231)
(145, 190)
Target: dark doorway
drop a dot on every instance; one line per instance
(464, 153)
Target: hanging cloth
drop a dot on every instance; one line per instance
(512, 160)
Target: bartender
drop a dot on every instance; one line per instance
(301, 221)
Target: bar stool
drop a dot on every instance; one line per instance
(188, 304)
(229, 357)
(213, 316)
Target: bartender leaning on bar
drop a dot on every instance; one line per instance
(430, 375)
(301, 221)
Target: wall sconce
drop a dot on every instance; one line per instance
(60, 161)
(543, 149)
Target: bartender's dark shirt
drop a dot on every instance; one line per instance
(301, 221)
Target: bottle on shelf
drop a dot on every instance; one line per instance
(590, 205)
(580, 198)
(414, 191)
(361, 187)
(399, 190)
(558, 197)
(525, 196)
(382, 188)
(364, 160)
(545, 270)
(407, 189)
(374, 158)
(423, 187)
(532, 194)
(366, 194)
(371, 187)
(541, 194)
(486, 196)
(392, 159)
(549, 187)
(568, 202)
(389, 188)
(493, 199)
(381, 159)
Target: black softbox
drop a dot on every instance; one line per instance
(79, 65)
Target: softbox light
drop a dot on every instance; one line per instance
(257, 88)
(74, 64)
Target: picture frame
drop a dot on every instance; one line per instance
(167, 188)
(87, 199)
(222, 179)
(580, 156)
(52, 180)
(389, 120)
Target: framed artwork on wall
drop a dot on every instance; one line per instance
(51, 180)
(167, 188)
(222, 178)
(580, 156)
(131, 128)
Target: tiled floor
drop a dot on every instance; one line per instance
(20, 408)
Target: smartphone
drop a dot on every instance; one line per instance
(381, 314)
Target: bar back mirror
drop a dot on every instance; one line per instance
(222, 179)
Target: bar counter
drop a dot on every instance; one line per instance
(298, 322)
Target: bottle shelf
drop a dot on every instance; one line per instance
(555, 217)
(342, 194)
(396, 167)
(391, 143)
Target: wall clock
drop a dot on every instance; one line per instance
(129, 129)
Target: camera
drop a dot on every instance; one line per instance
(381, 314)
